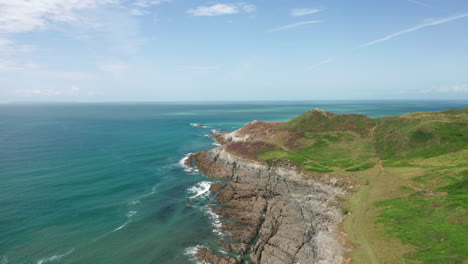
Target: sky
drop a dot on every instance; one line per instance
(195, 50)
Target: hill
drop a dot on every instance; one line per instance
(408, 176)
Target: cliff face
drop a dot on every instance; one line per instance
(272, 214)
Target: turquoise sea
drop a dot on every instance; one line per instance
(102, 183)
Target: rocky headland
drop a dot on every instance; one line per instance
(273, 213)
(278, 187)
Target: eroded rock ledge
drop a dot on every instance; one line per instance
(273, 215)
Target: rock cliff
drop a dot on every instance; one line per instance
(272, 214)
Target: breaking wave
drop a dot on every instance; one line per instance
(54, 257)
(200, 189)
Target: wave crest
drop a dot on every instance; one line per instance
(187, 168)
(54, 257)
(200, 189)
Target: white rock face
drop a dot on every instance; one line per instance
(238, 136)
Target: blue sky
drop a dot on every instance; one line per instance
(181, 50)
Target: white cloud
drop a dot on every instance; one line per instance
(141, 7)
(67, 75)
(113, 67)
(222, 9)
(295, 25)
(23, 16)
(7, 65)
(149, 3)
(426, 23)
(419, 3)
(8, 47)
(459, 88)
(71, 91)
(297, 12)
(20, 16)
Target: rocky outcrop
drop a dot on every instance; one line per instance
(272, 215)
(209, 256)
(255, 130)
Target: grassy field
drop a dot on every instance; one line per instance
(411, 175)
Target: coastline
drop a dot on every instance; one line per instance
(272, 214)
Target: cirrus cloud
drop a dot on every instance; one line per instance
(426, 23)
(455, 89)
(295, 25)
(142, 7)
(49, 92)
(297, 12)
(222, 9)
(22, 16)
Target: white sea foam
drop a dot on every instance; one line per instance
(4, 260)
(131, 213)
(198, 125)
(215, 131)
(200, 189)
(184, 159)
(135, 202)
(191, 252)
(120, 227)
(187, 168)
(53, 258)
(215, 221)
(153, 190)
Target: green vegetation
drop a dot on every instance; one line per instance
(437, 223)
(421, 135)
(325, 151)
(412, 206)
(312, 166)
(321, 121)
(280, 154)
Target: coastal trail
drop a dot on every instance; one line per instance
(361, 221)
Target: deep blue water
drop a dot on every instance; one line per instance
(102, 183)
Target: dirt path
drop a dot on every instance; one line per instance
(359, 226)
(372, 134)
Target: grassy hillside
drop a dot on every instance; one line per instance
(421, 135)
(322, 121)
(320, 141)
(411, 205)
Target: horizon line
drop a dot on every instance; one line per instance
(222, 101)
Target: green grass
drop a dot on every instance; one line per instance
(338, 150)
(280, 154)
(437, 224)
(328, 150)
(321, 121)
(362, 167)
(421, 135)
(312, 166)
(420, 198)
(458, 191)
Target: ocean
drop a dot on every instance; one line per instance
(104, 183)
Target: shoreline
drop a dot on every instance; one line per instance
(271, 214)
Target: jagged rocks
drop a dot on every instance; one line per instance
(272, 214)
(188, 161)
(209, 256)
